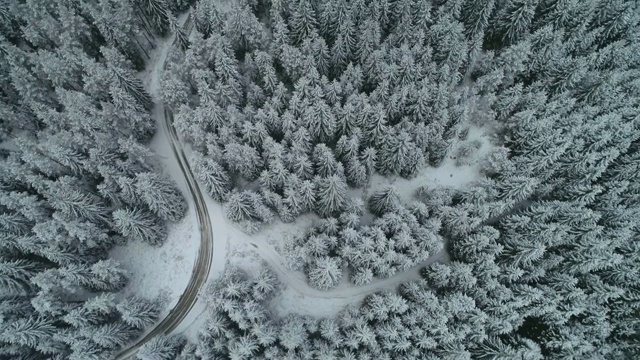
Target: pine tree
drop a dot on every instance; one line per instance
(400, 155)
(369, 40)
(325, 273)
(65, 197)
(320, 121)
(324, 161)
(265, 284)
(124, 77)
(181, 37)
(157, 14)
(161, 195)
(107, 275)
(475, 15)
(137, 312)
(161, 348)
(331, 195)
(356, 173)
(362, 276)
(207, 18)
(292, 333)
(248, 209)
(139, 226)
(213, 175)
(243, 28)
(243, 159)
(386, 200)
(514, 20)
(27, 331)
(15, 275)
(303, 21)
(112, 335)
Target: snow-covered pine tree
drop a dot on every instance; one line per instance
(303, 20)
(400, 155)
(156, 12)
(325, 161)
(140, 226)
(325, 273)
(385, 200)
(215, 178)
(161, 348)
(331, 194)
(161, 195)
(138, 312)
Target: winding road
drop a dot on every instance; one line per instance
(202, 265)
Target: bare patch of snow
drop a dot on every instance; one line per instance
(448, 174)
(290, 301)
(161, 271)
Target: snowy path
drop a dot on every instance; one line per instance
(298, 281)
(202, 265)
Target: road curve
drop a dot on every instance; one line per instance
(202, 265)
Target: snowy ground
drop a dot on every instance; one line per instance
(161, 271)
(448, 174)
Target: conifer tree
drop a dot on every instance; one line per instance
(157, 14)
(161, 348)
(325, 273)
(384, 201)
(137, 312)
(139, 226)
(213, 175)
(303, 20)
(331, 194)
(161, 196)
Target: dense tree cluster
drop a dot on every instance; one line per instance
(544, 246)
(400, 237)
(306, 99)
(415, 323)
(290, 103)
(75, 176)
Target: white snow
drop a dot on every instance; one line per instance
(448, 174)
(291, 301)
(161, 271)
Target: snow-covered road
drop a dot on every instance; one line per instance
(202, 265)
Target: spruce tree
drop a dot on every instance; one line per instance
(139, 226)
(331, 193)
(161, 196)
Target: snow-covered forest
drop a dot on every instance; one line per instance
(76, 178)
(334, 110)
